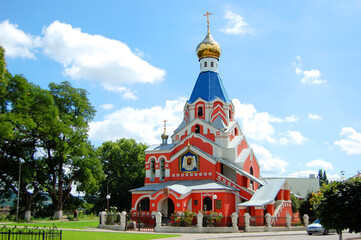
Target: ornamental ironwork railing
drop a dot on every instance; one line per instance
(26, 233)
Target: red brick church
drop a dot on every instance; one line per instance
(208, 163)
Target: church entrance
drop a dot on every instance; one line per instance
(166, 207)
(207, 204)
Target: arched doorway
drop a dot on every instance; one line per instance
(207, 204)
(166, 207)
(170, 206)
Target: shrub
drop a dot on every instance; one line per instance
(110, 218)
(182, 218)
(211, 218)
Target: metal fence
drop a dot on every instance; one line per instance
(30, 233)
(141, 223)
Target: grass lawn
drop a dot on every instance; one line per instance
(70, 235)
(82, 235)
(58, 224)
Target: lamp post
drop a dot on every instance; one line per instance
(108, 197)
(17, 201)
(214, 202)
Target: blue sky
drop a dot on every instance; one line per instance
(292, 69)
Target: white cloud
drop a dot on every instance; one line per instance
(291, 118)
(302, 174)
(258, 125)
(293, 137)
(319, 164)
(236, 24)
(144, 125)
(126, 92)
(255, 125)
(268, 162)
(97, 58)
(314, 116)
(351, 144)
(16, 42)
(334, 177)
(84, 56)
(107, 106)
(307, 76)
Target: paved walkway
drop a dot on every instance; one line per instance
(189, 236)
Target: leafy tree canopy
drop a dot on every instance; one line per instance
(338, 206)
(307, 208)
(45, 131)
(322, 177)
(123, 165)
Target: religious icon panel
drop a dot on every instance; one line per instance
(189, 162)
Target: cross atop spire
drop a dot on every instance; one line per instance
(207, 14)
(165, 125)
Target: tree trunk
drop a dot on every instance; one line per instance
(58, 214)
(340, 234)
(27, 215)
(28, 199)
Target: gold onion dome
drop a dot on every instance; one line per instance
(164, 136)
(208, 48)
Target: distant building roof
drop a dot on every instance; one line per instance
(209, 86)
(302, 186)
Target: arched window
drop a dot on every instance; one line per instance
(251, 181)
(205, 64)
(230, 115)
(211, 64)
(200, 112)
(143, 204)
(152, 170)
(207, 204)
(197, 129)
(162, 169)
(236, 132)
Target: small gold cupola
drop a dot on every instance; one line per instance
(164, 136)
(208, 47)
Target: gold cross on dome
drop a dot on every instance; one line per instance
(165, 125)
(207, 14)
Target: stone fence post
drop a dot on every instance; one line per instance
(234, 219)
(288, 220)
(123, 221)
(268, 222)
(102, 217)
(158, 221)
(306, 219)
(247, 219)
(199, 220)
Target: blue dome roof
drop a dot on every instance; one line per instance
(209, 86)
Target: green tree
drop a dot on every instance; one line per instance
(3, 81)
(22, 114)
(322, 177)
(68, 155)
(339, 206)
(296, 203)
(123, 164)
(307, 208)
(46, 131)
